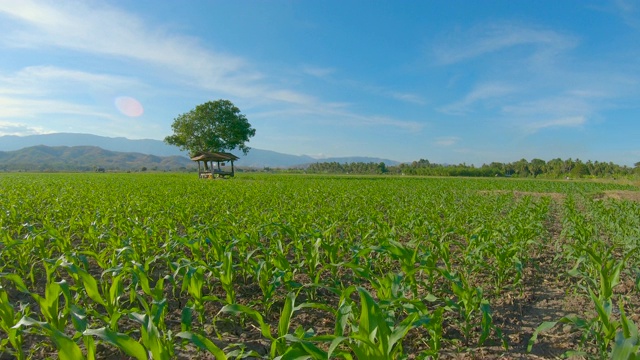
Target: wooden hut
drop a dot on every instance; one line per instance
(208, 158)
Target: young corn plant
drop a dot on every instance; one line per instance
(122, 341)
(389, 287)
(269, 279)
(377, 334)
(202, 343)
(284, 345)
(49, 304)
(604, 328)
(66, 346)
(193, 282)
(411, 259)
(81, 323)
(507, 267)
(158, 345)
(226, 274)
(469, 301)
(109, 297)
(627, 342)
(601, 269)
(9, 318)
(313, 264)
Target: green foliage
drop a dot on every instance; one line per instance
(552, 169)
(212, 126)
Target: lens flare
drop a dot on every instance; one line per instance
(129, 106)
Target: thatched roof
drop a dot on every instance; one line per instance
(213, 156)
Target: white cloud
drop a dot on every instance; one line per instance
(20, 129)
(574, 121)
(571, 109)
(566, 105)
(337, 117)
(481, 40)
(14, 107)
(447, 140)
(411, 126)
(51, 80)
(628, 11)
(319, 72)
(291, 97)
(40, 73)
(481, 93)
(107, 32)
(83, 27)
(408, 97)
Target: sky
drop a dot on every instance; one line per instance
(450, 81)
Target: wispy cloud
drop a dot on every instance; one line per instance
(38, 91)
(51, 72)
(40, 80)
(292, 97)
(411, 126)
(462, 46)
(537, 83)
(20, 129)
(408, 97)
(81, 27)
(481, 94)
(13, 107)
(319, 72)
(447, 140)
(628, 10)
(338, 117)
(564, 105)
(572, 109)
(575, 121)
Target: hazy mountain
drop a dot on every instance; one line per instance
(256, 158)
(144, 146)
(86, 158)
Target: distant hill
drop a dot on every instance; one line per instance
(144, 146)
(86, 158)
(256, 158)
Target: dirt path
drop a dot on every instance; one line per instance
(546, 296)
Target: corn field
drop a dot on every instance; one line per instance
(165, 266)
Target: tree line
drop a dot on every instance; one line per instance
(556, 168)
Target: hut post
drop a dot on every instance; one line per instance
(210, 157)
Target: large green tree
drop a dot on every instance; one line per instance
(212, 126)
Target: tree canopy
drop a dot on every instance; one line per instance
(212, 126)
(552, 169)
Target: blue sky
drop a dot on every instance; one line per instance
(449, 81)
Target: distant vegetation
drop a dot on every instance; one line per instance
(556, 168)
(91, 158)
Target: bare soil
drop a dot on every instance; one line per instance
(619, 195)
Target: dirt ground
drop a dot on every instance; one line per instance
(619, 195)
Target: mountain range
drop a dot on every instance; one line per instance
(86, 158)
(71, 151)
